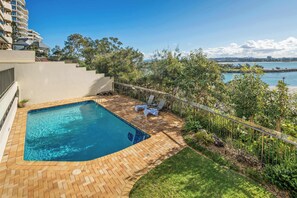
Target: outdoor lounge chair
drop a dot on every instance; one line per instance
(155, 111)
(144, 106)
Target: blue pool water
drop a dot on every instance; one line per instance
(77, 132)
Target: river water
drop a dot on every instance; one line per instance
(272, 78)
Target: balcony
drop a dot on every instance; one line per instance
(9, 39)
(22, 2)
(7, 5)
(8, 28)
(1, 14)
(7, 17)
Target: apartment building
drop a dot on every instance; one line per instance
(5, 24)
(34, 36)
(25, 37)
(20, 16)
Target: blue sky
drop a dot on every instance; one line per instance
(150, 25)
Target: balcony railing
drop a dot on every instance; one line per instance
(9, 39)
(266, 145)
(7, 17)
(7, 6)
(8, 28)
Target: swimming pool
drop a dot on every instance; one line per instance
(77, 132)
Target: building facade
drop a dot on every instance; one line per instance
(20, 16)
(5, 24)
(14, 32)
(34, 36)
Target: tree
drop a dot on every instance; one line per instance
(246, 93)
(276, 107)
(164, 71)
(73, 47)
(282, 103)
(202, 79)
(121, 64)
(98, 48)
(56, 53)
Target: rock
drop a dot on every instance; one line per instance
(218, 142)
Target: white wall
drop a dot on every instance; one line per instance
(2, 67)
(5, 101)
(51, 81)
(13, 56)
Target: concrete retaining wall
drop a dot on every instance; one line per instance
(51, 81)
(12, 56)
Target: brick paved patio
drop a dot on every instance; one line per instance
(109, 176)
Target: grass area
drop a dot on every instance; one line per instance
(189, 174)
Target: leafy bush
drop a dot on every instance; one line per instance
(192, 124)
(284, 176)
(290, 128)
(203, 137)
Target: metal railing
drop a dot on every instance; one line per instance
(249, 139)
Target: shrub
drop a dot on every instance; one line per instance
(203, 137)
(289, 128)
(284, 176)
(192, 124)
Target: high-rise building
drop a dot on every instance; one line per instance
(20, 16)
(34, 36)
(5, 24)
(14, 16)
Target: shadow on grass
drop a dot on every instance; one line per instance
(189, 174)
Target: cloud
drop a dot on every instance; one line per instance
(258, 48)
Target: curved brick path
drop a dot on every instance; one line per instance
(109, 176)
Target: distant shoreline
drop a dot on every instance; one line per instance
(256, 62)
(292, 89)
(264, 70)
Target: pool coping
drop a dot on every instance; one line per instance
(81, 102)
(20, 150)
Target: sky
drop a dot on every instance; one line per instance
(221, 28)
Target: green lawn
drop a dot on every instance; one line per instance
(189, 174)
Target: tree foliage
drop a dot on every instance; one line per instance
(202, 80)
(164, 71)
(107, 55)
(192, 76)
(246, 94)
